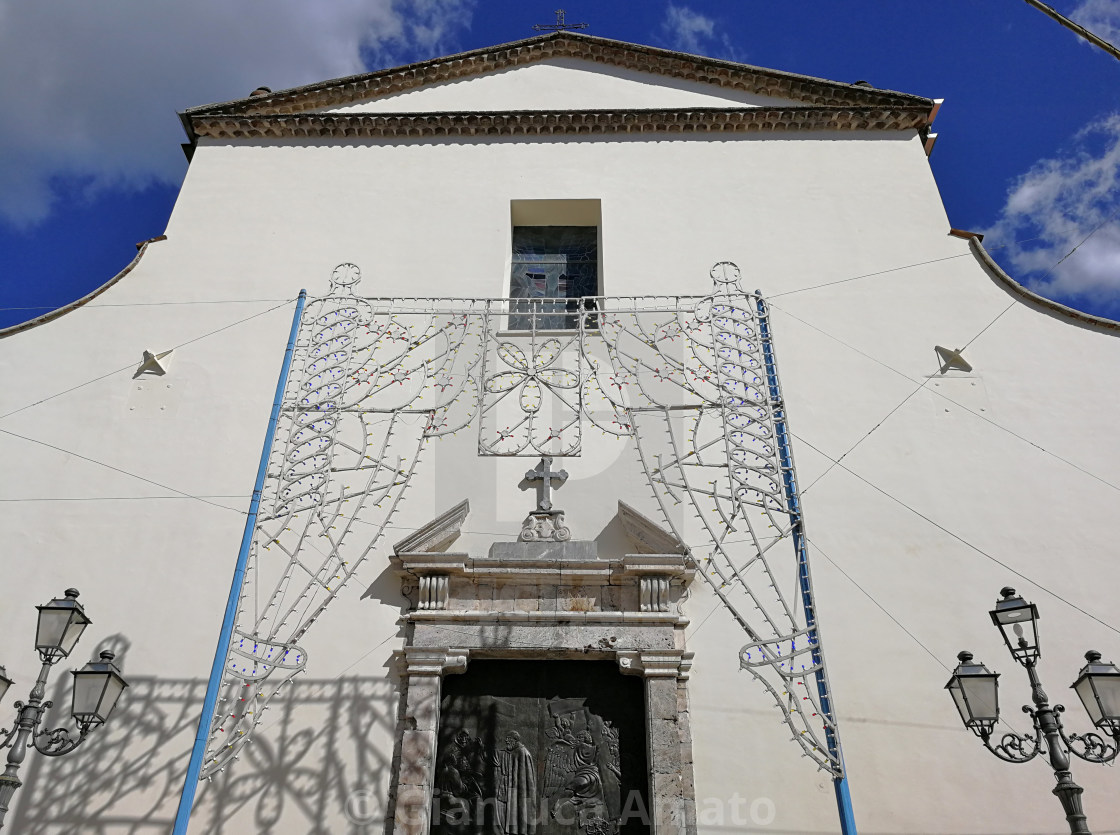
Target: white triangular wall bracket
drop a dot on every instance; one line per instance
(951, 360)
(154, 364)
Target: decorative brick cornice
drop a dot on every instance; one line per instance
(676, 65)
(558, 123)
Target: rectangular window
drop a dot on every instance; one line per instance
(554, 263)
(557, 264)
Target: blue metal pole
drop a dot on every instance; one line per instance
(785, 455)
(194, 768)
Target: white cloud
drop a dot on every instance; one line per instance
(1053, 207)
(1101, 17)
(686, 30)
(89, 88)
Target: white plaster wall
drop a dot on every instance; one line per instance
(256, 222)
(435, 216)
(560, 84)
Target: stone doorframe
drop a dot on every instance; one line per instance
(545, 601)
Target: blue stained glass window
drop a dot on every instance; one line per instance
(552, 262)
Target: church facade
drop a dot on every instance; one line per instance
(640, 446)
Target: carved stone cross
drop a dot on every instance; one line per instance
(544, 474)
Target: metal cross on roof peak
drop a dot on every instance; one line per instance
(544, 474)
(559, 26)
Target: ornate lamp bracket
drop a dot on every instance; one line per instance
(1014, 747)
(59, 741)
(1091, 747)
(51, 742)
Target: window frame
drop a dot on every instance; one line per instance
(555, 213)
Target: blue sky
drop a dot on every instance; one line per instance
(1029, 147)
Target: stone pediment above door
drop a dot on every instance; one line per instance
(544, 581)
(438, 534)
(648, 536)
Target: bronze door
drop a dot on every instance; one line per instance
(541, 748)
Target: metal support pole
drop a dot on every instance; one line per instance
(221, 652)
(785, 454)
(30, 715)
(1067, 791)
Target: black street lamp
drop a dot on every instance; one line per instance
(97, 686)
(975, 690)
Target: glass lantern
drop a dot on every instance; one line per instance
(1098, 687)
(61, 624)
(5, 683)
(1018, 623)
(97, 686)
(975, 691)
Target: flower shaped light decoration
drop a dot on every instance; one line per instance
(527, 377)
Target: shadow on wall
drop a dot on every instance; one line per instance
(313, 754)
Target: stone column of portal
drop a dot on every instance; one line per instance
(668, 738)
(419, 730)
(684, 725)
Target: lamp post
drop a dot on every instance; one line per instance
(97, 686)
(975, 690)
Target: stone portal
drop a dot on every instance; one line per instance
(572, 715)
(541, 748)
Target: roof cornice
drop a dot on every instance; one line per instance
(557, 123)
(726, 74)
(1032, 298)
(141, 249)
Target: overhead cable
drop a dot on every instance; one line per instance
(960, 538)
(133, 364)
(120, 470)
(944, 396)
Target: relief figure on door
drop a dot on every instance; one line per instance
(582, 774)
